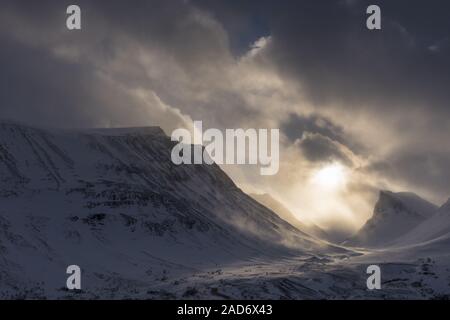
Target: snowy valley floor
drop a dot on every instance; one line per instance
(310, 278)
(296, 278)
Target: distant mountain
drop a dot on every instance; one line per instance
(112, 202)
(394, 215)
(285, 214)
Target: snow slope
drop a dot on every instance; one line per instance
(432, 230)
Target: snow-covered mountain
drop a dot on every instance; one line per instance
(394, 215)
(112, 202)
(285, 214)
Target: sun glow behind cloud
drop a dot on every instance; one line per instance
(324, 194)
(333, 155)
(330, 177)
(328, 186)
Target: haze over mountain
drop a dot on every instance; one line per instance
(285, 214)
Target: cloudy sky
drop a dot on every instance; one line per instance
(358, 110)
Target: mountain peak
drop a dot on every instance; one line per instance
(445, 206)
(402, 203)
(395, 214)
(444, 209)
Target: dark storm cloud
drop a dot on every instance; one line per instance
(397, 78)
(340, 62)
(326, 46)
(319, 138)
(85, 77)
(427, 171)
(36, 88)
(180, 55)
(318, 148)
(296, 125)
(322, 45)
(170, 48)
